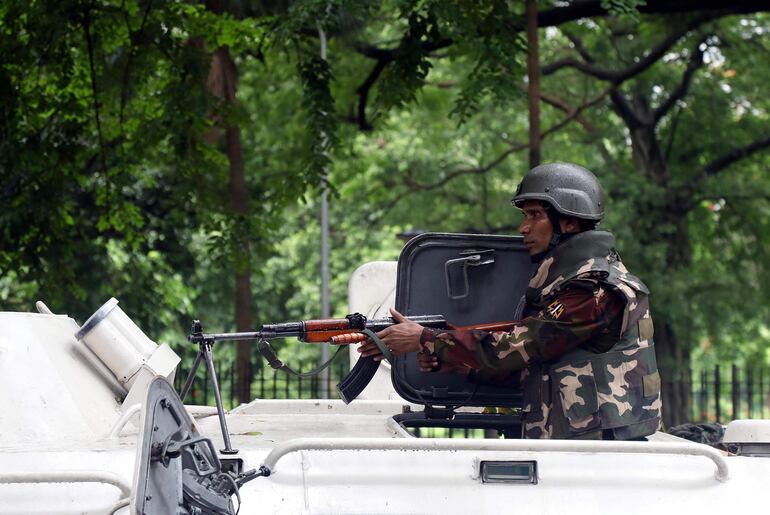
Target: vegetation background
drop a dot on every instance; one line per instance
(172, 153)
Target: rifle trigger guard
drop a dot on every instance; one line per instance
(269, 354)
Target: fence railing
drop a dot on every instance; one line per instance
(728, 392)
(718, 394)
(266, 383)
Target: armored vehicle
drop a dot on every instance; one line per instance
(91, 424)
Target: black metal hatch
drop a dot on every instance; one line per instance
(470, 279)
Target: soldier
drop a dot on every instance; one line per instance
(582, 350)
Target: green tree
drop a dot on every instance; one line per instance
(638, 100)
(672, 181)
(118, 154)
(96, 153)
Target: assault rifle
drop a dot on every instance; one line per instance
(340, 331)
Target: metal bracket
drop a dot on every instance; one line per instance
(470, 258)
(439, 412)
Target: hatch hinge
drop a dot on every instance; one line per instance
(439, 412)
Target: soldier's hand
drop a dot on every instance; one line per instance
(427, 362)
(369, 349)
(400, 338)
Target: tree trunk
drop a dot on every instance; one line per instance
(242, 264)
(223, 83)
(673, 358)
(672, 351)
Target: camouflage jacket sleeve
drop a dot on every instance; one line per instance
(577, 315)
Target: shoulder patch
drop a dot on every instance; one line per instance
(554, 310)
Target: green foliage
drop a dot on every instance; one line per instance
(405, 75)
(91, 98)
(497, 55)
(115, 181)
(624, 8)
(315, 75)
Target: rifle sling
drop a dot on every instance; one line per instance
(380, 345)
(275, 363)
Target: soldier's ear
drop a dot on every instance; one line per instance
(569, 224)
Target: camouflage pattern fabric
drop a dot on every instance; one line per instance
(585, 357)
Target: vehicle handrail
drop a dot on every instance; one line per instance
(449, 444)
(119, 424)
(69, 476)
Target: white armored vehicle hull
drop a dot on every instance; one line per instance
(77, 437)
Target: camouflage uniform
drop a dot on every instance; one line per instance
(584, 359)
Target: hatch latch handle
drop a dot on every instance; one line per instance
(470, 258)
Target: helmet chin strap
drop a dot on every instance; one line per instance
(556, 235)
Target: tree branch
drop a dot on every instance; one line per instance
(732, 157)
(383, 56)
(562, 105)
(729, 197)
(715, 167)
(580, 48)
(617, 77)
(363, 94)
(575, 113)
(134, 36)
(94, 90)
(624, 110)
(695, 62)
(517, 147)
(709, 10)
(415, 186)
(672, 133)
(593, 9)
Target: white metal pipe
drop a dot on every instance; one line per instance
(398, 429)
(69, 476)
(42, 308)
(450, 444)
(123, 420)
(121, 504)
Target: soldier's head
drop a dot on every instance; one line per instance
(557, 199)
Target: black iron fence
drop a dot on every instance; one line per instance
(266, 384)
(728, 392)
(718, 394)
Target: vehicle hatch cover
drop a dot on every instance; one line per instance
(469, 279)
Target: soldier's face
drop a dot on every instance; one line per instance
(536, 227)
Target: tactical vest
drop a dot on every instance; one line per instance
(584, 392)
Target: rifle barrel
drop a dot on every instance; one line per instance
(435, 321)
(303, 330)
(254, 335)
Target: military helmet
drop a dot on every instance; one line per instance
(570, 189)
